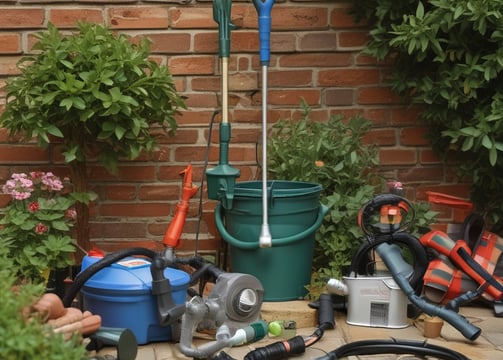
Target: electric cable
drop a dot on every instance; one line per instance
(278, 350)
(201, 187)
(282, 350)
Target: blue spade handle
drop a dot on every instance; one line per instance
(264, 8)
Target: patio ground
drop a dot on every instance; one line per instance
(488, 346)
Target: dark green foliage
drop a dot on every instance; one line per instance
(24, 338)
(448, 57)
(96, 91)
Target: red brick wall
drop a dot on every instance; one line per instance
(315, 55)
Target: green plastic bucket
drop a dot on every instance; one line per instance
(294, 215)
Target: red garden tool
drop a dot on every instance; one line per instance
(174, 231)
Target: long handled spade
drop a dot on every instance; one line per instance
(264, 24)
(222, 178)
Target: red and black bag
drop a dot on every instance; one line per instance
(472, 264)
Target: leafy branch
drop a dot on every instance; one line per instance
(448, 57)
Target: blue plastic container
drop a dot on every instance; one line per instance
(121, 295)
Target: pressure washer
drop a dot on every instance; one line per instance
(382, 220)
(373, 296)
(153, 286)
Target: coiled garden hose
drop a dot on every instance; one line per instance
(420, 257)
(393, 346)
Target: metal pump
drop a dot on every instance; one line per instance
(232, 308)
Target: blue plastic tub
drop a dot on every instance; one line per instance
(121, 295)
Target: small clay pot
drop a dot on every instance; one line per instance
(433, 326)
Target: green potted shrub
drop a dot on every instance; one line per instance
(95, 94)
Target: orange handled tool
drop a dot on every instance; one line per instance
(174, 231)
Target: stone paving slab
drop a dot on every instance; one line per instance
(489, 346)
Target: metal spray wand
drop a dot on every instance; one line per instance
(264, 25)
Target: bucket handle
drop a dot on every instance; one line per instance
(246, 245)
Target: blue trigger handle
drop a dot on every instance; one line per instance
(264, 27)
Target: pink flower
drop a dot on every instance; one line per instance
(40, 228)
(20, 195)
(71, 213)
(33, 206)
(52, 182)
(395, 184)
(19, 187)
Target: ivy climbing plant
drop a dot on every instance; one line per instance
(448, 57)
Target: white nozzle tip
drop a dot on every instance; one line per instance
(239, 338)
(265, 239)
(265, 242)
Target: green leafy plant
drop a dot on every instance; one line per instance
(36, 225)
(333, 155)
(24, 337)
(96, 94)
(447, 57)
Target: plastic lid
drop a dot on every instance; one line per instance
(130, 274)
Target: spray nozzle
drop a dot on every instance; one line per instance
(336, 286)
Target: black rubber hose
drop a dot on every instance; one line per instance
(374, 347)
(374, 206)
(198, 262)
(108, 260)
(204, 270)
(421, 260)
(395, 263)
